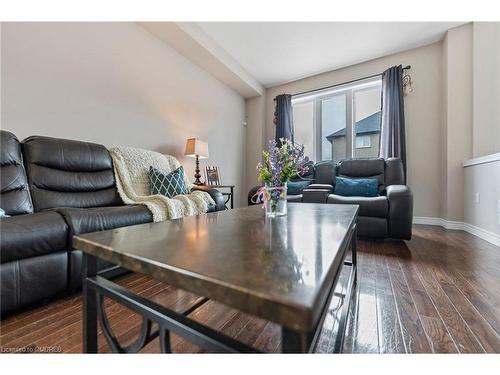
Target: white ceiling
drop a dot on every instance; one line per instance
(279, 52)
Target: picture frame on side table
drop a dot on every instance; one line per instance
(212, 175)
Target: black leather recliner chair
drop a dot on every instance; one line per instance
(53, 189)
(389, 214)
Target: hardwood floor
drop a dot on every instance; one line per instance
(438, 293)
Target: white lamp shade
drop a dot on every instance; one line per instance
(195, 147)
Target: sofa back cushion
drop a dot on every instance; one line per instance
(67, 173)
(324, 172)
(14, 196)
(363, 168)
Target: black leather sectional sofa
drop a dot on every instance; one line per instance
(389, 214)
(53, 189)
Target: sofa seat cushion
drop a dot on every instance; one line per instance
(25, 236)
(368, 206)
(86, 220)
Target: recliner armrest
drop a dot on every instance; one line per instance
(398, 190)
(315, 195)
(220, 204)
(320, 187)
(400, 217)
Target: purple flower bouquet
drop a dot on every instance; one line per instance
(280, 164)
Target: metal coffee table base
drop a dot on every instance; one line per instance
(96, 287)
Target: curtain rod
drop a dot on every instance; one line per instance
(343, 83)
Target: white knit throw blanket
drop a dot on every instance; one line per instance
(131, 167)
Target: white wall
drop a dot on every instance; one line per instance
(486, 78)
(457, 120)
(423, 109)
(255, 119)
(484, 180)
(116, 84)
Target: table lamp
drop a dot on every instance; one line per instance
(196, 149)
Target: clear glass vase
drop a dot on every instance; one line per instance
(275, 200)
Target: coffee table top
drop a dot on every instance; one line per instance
(279, 269)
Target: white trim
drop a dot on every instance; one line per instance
(428, 220)
(452, 225)
(482, 160)
(484, 234)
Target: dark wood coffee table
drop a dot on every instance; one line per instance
(282, 269)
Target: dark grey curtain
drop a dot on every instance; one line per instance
(392, 132)
(283, 117)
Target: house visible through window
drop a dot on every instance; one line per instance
(363, 141)
(340, 122)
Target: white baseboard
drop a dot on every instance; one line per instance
(458, 225)
(483, 233)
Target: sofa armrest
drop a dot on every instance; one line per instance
(220, 204)
(400, 218)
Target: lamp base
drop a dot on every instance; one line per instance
(197, 174)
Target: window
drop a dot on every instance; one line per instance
(341, 122)
(363, 141)
(303, 118)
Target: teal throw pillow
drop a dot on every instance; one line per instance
(167, 184)
(296, 187)
(360, 187)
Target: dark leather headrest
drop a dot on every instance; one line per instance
(67, 173)
(15, 195)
